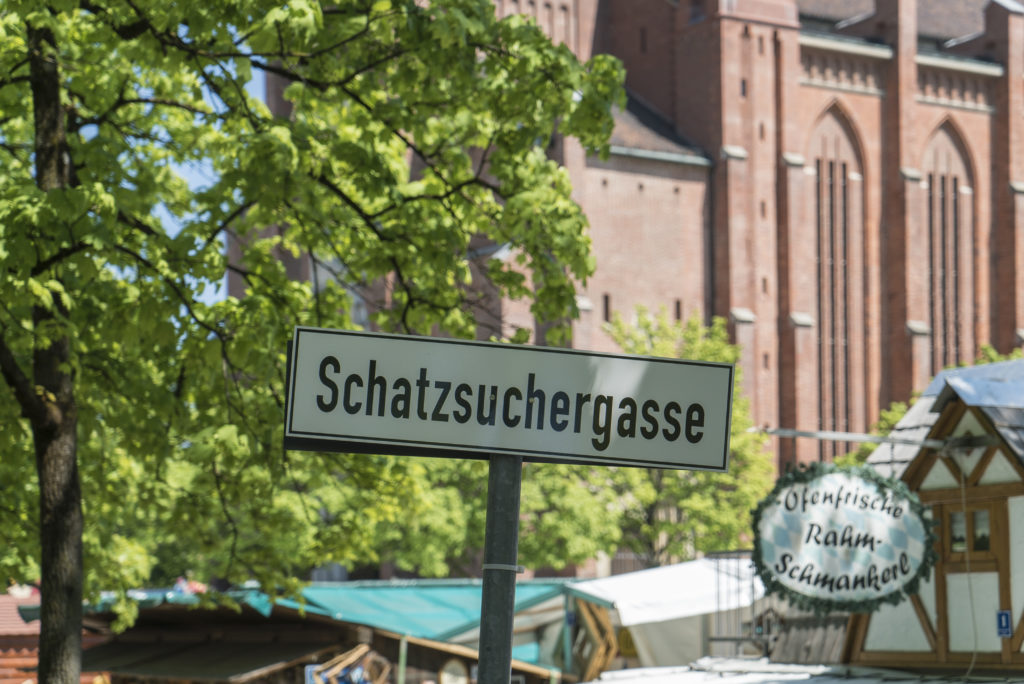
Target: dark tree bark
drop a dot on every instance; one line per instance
(52, 410)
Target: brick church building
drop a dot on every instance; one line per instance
(842, 179)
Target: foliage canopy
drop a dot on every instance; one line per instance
(672, 514)
(416, 131)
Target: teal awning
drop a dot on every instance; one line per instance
(429, 609)
(148, 599)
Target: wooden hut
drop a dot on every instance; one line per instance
(969, 616)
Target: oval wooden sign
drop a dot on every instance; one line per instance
(842, 539)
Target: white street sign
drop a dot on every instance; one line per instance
(376, 393)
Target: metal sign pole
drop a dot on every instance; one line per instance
(352, 392)
(501, 549)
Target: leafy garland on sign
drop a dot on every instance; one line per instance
(809, 473)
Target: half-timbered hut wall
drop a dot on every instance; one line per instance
(976, 498)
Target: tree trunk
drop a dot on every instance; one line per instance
(60, 514)
(53, 413)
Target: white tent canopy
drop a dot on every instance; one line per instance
(746, 671)
(665, 608)
(698, 587)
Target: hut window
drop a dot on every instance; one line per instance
(957, 533)
(969, 531)
(981, 541)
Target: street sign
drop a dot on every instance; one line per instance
(377, 393)
(394, 394)
(1004, 624)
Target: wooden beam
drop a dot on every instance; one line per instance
(979, 469)
(977, 565)
(953, 468)
(1018, 635)
(599, 627)
(993, 492)
(926, 622)
(1015, 462)
(919, 468)
(999, 544)
(923, 659)
(859, 630)
(941, 604)
(848, 654)
(947, 420)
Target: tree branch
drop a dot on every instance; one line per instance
(226, 223)
(125, 31)
(14, 79)
(164, 102)
(137, 224)
(32, 406)
(57, 257)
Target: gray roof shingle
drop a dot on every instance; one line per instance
(640, 127)
(997, 389)
(940, 19)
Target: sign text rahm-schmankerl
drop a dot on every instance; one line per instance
(841, 539)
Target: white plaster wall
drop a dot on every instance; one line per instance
(999, 470)
(973, 594)
(896, 628)
(967, 461)
(939, 477)
(968, 425)
(926, 592)
(1015, 512)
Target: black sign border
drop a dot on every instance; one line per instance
(308, 441)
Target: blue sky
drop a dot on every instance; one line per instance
(198, 176)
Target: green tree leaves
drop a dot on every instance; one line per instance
(672, 514)
(411, 148)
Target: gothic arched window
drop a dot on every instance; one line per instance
(949, 216)
(839, 236)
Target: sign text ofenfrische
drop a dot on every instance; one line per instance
(838, 539)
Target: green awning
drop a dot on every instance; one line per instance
(429, 609)
(148, 599)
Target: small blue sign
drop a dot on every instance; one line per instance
(312, 676)
(1004, 626)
